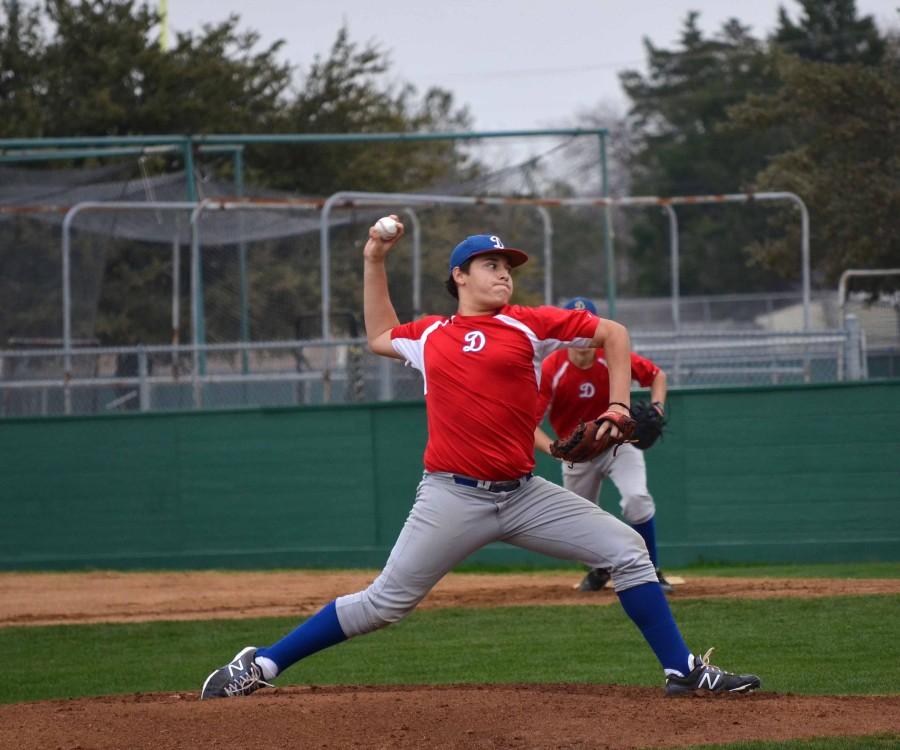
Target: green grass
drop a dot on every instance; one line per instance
(812, 646)
(799, 570)
(752, 570)
(872, 742)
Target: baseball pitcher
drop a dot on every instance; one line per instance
(481, 372)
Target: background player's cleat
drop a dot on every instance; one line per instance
(595, 580)
(705, 679)
(241, 676)
(664, 584)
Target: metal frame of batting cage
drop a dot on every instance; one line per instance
(196, 209)
(197, 318)
(359, 198)
(199, 348)
(352, 198)
(66, 250)
(348, 198)
(198, 324)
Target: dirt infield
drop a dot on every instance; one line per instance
(484, 716)
(67, 598)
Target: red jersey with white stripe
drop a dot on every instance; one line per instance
(575, 395)
(482, 380)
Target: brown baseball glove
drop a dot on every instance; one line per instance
(582, 445)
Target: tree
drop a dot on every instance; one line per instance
(830, 31)
(106, 74)
(679, 150)
(21, 80)
(94, 67)
(349, 91)
(844, 161)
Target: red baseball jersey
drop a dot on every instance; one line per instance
(482, 380)
(573, 394)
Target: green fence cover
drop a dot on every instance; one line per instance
(769, 474)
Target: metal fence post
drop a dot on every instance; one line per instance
(608, 249)
(548, 253)
(854, 348)
(143, 383)
(674, 262)
(385, 380)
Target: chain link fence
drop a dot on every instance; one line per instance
(305, 372)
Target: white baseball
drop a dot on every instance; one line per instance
(387, 228)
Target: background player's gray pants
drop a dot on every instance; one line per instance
(628, 471)
(448, 522)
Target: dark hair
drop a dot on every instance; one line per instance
(450, 284)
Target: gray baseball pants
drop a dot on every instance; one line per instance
(628, 471)
(449, 521)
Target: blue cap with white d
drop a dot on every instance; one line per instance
(581, 303)
(483, 244)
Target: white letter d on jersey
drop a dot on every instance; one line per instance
(475, 341)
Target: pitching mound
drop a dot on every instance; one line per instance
(513, 716)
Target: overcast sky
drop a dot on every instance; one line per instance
(517, 64)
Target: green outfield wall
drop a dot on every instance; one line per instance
(768, 474)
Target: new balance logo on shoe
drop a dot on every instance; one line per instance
(241, 676)
(707, 679)
(236, 666)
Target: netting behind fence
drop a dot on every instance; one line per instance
(147, 332)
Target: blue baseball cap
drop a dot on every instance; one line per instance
(581, 303)
(483, 244)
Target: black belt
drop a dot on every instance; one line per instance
(507, 485)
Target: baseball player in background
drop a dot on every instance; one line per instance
(574, 388)
(481, 372)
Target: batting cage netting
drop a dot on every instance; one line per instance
(118, 293)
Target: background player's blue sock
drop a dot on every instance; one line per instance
(319, 631)
(646, 605)
(647, 530)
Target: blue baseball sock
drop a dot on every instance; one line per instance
(647, 530)
(318, 632)
(646, 605)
